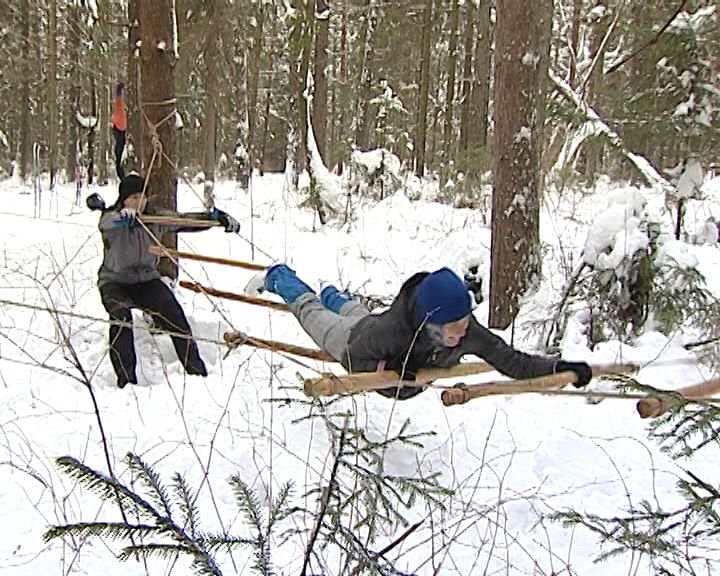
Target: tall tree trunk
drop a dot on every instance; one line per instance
(157, 56)
(575, 52)
(481, 77)
(365, 76)
(25, 118)
(103, 122)
(448, 140)
(211, 90)
(466, 85)
(593, 149)
(134, 146)
(520, 66)
(91, 133)
(320, 93)
(52, 91)
(421, 120)
(339, 94)
(253, 83)
(72, 126)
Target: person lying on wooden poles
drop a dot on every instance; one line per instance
(428, 325)
(128, 277)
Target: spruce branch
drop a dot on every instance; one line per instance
(151, 480)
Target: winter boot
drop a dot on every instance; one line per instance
(281, 280)
(333, 299)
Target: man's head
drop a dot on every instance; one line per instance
(443, 302)
(130, 193)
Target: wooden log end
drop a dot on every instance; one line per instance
(650, 407)
(453, 397)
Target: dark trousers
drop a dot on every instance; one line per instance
(155, 298)
(119, 147)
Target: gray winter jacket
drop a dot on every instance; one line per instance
(127, 258)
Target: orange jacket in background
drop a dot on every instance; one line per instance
(119, 118)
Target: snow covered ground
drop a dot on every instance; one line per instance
(510, 460)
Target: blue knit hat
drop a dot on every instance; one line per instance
(442, 297)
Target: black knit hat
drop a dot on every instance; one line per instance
(131, 184)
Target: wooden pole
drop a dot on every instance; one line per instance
(235, 339)
(163, 251)
(653, 406)
(175, 221)
(200, 289)
(455, 396)
(329, 384)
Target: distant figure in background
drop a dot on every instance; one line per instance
(119, 127)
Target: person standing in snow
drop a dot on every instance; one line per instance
(428, 325)
(119, 128)
(128, 277)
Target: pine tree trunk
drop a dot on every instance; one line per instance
(365, 76)
(422, 108)
(520, 65)
(103, 122)
(575, 41)
(211, 90)
(134, 146)
(52, 91)
(72, 126)
(481, 77)
(448, 139)
(593, 150)
(25, 118)
(466, 84)
(253, 83)
(91, 134)
(157, 56)
(320, 93)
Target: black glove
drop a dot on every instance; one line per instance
(473, 283)
(226, 221)
(582, 370)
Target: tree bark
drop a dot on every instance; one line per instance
(466, 83)
(421, 120)
(72, 126)
(520, 66)
(448, 140)
(211, 92)
(481, 77)
(91, 133)
(365, 76)
(52, 91)
(25, 118)
(134, 147)
(575, 40)
(157, 56)
(320, 93)
(253, 83)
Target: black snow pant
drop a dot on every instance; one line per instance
(155, 298)
(119, 148)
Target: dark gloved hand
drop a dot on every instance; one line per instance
(119, 89)
(582, 370)
(128, 217)
(95, 202)
(226, 221)
(473, 283)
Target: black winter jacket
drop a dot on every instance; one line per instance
(395, 336)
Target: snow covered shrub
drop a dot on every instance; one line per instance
(640, 275)
(375, 173)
